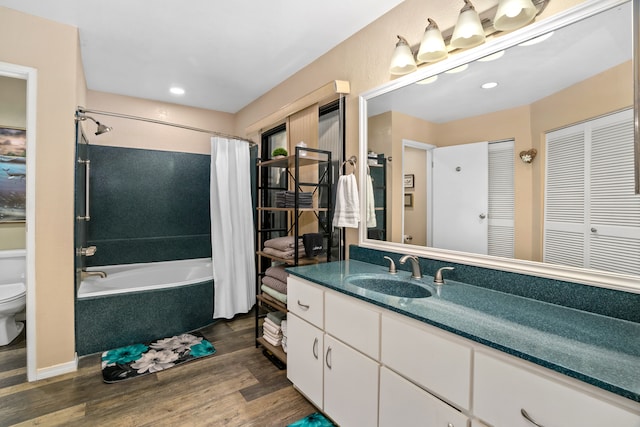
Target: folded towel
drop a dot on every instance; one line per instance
(288, 254)
(275, 294)
(277, 272)
(371, 204)
(313, 244)
(266, 333)
(271, 329)
(282, 243)
(275, 284)
(273, 342)
(347, 211)
(283, 327)
(276, 317)
(271, 324)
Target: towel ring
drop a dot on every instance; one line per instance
(352, 161)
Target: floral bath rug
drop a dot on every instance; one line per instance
(141, 359)
(313, 420)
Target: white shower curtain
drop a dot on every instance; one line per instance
(232, 238)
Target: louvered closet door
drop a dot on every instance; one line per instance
(501, 199)
(614, 228)
(592, 217)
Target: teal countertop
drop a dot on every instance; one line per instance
(599, 350)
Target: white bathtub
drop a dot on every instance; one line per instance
(145, 277)
(12, 266)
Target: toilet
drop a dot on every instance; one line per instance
(13, 300)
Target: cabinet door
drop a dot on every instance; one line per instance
(306, 301)
(438, 364)
(352, 322)
(502, 390)
(304, 358)
(350, 385)
(405, 404)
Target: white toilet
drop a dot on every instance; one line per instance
(13, 300)
(13, 293)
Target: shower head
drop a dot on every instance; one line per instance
(101, 128)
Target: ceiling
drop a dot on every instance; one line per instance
(225, 54)
(524, 74)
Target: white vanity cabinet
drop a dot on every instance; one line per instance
(305, 350)
(502, 390)
(405, 404)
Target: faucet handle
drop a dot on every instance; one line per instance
(438, 279)
(392, 265)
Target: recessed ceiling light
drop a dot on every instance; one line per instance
(537, 40)
(427, 80)
(489, 85)
(458, 69)
(492, 57)
(177, 90)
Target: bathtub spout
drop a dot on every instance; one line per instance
(84, 274)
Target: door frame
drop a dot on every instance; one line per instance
(427, 148)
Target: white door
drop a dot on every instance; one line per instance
(304, 358)
(460, 197)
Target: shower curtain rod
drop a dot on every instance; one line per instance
(160, 122)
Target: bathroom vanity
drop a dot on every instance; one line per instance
(465, 355)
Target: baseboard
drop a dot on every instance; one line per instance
(53, 371)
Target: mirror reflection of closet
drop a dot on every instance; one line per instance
(580, 71)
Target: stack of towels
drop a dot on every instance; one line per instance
(283, 328)
(274, 283)
(287, 199)
(271, 330)
(283, 247)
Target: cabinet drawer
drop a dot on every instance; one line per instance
(405, 404)
(352, 322)
(430, 360)
(306, 301)
(502, 390)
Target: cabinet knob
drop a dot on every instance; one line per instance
(327, 359)
(594, 230)
(303, 306)
(528, 418)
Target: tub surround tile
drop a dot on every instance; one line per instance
(590, 347)
(607, 302)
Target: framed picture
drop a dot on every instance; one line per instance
(13, 174)
(408, 181)
(408, 200)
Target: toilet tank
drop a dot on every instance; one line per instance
(12, 266)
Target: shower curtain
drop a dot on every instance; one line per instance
(232, 238)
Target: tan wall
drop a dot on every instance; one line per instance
(363, 60)
(137, 134)
(13, 113)
(52, 49)
(415, 217)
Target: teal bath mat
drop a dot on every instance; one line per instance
(313, 420)
(141, 359)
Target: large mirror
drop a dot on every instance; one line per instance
(516, 155)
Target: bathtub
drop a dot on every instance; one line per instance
(12, 266)
(138, 303)
(145, 277)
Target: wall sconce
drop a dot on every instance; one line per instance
(468, 31)
(432, 47)
(513, 14)
(529, 155)
(402, 61)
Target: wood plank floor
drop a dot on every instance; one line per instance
(237, 386)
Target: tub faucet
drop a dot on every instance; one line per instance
(415, 265)
(84, 274)
(438, 279)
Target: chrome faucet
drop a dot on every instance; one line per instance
(415, 265)
(84, 274)
(392, 265)
(438, 279)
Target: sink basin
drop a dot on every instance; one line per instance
(389, 285)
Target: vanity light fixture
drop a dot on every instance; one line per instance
(176, 90)
(489, 85)
(402, 61)
(432, 47)
(513, 14)
(528, 156)
(468, 31)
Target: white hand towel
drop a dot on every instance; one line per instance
(371, 204)
(347, 212)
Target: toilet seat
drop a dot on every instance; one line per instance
(12, 292)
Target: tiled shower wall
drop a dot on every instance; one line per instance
(148, 205)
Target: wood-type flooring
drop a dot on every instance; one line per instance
(238, 386)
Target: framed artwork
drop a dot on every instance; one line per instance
(13, 174)
(408, 181)
(408, 200)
